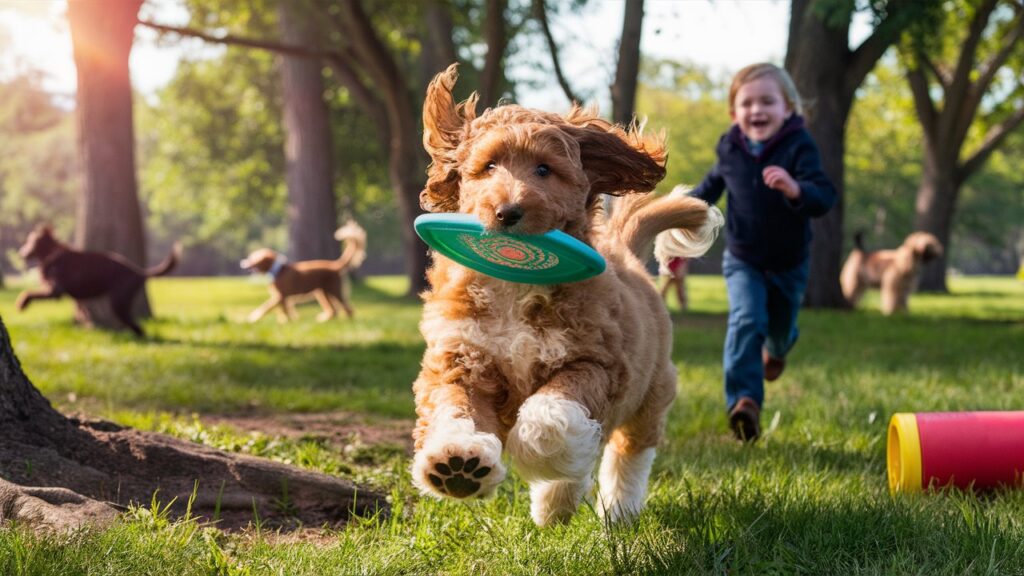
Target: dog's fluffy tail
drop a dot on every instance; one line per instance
(168, 264)
(354, 237)
(637, 219)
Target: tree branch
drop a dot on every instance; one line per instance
(494, 34)
(923, 104)
(992, 140)
(863, 59)
(943, 77)
(230, 39)
(540, 12)
(960, 85)
(976, 91)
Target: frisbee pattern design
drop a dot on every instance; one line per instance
(506, 251)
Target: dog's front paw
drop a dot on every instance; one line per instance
(22, 302)
(460, 467)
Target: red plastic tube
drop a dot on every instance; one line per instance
(978, 450)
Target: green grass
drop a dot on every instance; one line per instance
(810, 498)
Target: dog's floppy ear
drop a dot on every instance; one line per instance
(444, 127)
(616, 161)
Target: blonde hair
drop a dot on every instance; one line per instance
(781, 77)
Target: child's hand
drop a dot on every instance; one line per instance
(778, 179)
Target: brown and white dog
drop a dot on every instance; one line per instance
(326, 280)
(552, 374)
(88, 275)
(894, 272)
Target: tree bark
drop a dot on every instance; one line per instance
(312, 206)
(58, 473)
(934, 210)
(946, 116)
(628, 68)
(815, 60)
(406, 157)
(496, 39)
(827, 74)
(109, 216)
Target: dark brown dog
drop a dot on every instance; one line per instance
(87, 275)
(324, 279)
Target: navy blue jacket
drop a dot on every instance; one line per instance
(764, 228)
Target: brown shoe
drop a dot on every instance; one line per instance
(745, 420)
(773, 367)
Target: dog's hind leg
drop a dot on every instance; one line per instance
(629, 454)
(339, 294)
(325, 303)
(121, 304)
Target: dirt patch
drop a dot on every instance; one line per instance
(337, 429)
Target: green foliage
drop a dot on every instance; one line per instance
(811, 498)
(39, 172)
(690, 107)
(211, 154)
(883, 159)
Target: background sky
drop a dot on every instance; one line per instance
(723, 35)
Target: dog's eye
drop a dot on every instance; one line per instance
(542, 170)
(490, 166)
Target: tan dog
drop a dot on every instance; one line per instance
(553, 374)
(326, 280)
(895, 271)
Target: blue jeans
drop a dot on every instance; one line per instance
(762, 314)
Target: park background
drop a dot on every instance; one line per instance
(917, 108)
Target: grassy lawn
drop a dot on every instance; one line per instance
(810, 498)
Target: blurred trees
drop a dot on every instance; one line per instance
(211, 143)
(109, 215)
(627, 67)
(312, 208)
(827, 73)
(38, 164)
(969, 97)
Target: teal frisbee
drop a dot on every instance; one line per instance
(550, 258)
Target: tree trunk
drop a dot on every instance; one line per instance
(934, 210)
(816, 63)
(493, 74)
(312, 207)
(628, 67)
(58, 473)
(109, 216)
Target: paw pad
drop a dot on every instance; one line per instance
(458, 477)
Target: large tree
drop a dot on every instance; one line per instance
(627, 69)
(827, 73)
(109, 216)
(967, 92)
(58, 473)
(312, 208)
(379, 72)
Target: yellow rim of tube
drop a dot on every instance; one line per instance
(903, 454)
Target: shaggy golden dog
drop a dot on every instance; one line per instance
(552, 374)
(326, 280)
(894, 271)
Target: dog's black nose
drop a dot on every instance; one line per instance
(508, 214)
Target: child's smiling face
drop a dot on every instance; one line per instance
(760, 108)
